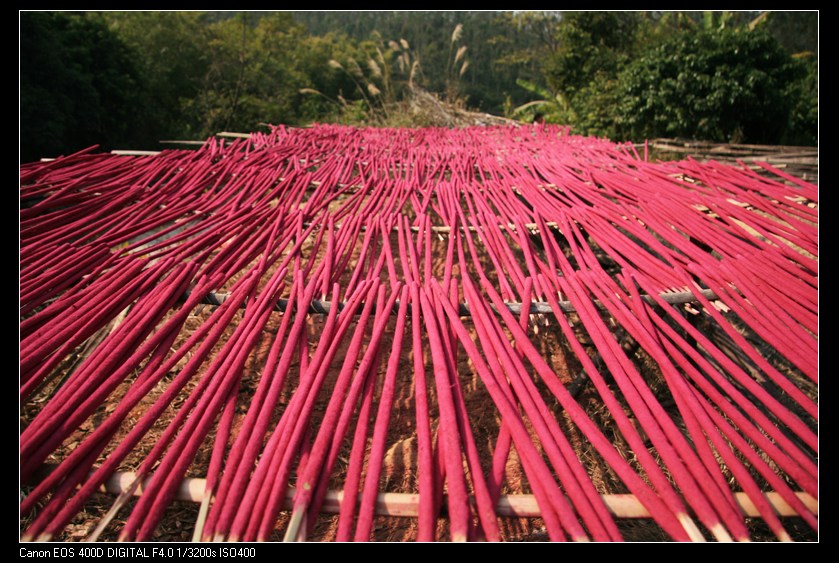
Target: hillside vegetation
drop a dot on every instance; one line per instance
(130, 79)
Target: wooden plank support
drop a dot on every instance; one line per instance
(233, 135)
(120, 152)
(407, 504)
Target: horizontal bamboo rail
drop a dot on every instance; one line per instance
(536, 307)
(407, 504)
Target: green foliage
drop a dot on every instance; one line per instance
(803, 125)
(252, 78)
(78, 86)
(796, 31)
(172, 55)
(590, 44)
(502, 47)
(129, 79)
(717, 85)
(710, 75)
(554, 108)
(595, 107)
(208, 72)
(581, 71)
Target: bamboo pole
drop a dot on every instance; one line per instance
(318, 307)
(407, 504)
(134, 153)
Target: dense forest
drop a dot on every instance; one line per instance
(130, 79)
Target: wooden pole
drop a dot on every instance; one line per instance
(134, 153)
(407, 504)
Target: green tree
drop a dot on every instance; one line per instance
(803, 123)
(263, 72)
(238, 71)
(502, 47)
(78, 85)
(171, 50)
(718, 85)
(521, 44)
(554, 107)
(590, 43)
(796, 31)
